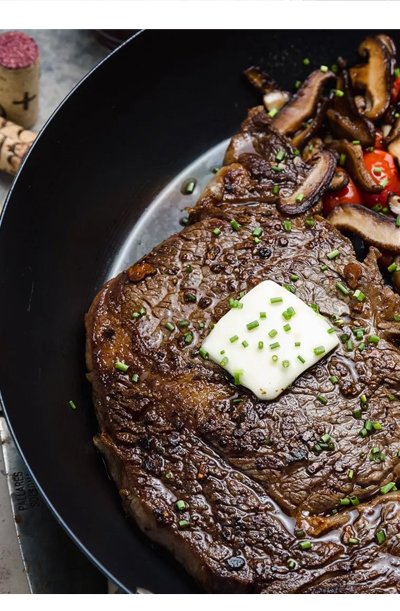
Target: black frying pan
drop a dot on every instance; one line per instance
(153, 107)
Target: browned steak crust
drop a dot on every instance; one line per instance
(249, 471)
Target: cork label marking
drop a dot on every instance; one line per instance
(25, 100)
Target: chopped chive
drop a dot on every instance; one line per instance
(184, 221)
(276, 300)
(182, 324)
(297, 84)
(287, 327)
(342, 288)
(253, 325)
(289, 313)
(236, 401)
(224, 361)
(235, 303)
(260, 345)
(190, 297)
(334, 379)
(200, 324)
(217, 231)
(388, 487)
(305, 545)
(289, 287)
(274, 345)
(72, 404)
(373, 339)
(380, 536)
(330, 330)
(396, 317)
(357, 413)
(376, 426)
(342, 159)
(234, 338)
(245, 344)
(188, 269)
(349, 345)
(323, 268)
(287, 225)
(189, 187)
(324, 68)
(319, 350)
(257, 240)
(121, 366)
(306, 61)
(235, 225)
(350, 473)
(398, 220)
(322, 399)
(338, 93)
(363, 432)
(299, 533)
(326, 437)
(277, 168)
(203, 353)
(294, 277)
(291, 564)
(236, 376)
(345, 501)
(397, 72)
(333, 254)
(299, 198)
(356, 142)
(275, 190)
(353, 541)
(257, 232)
(135, 378)
(183, 523)
(297, 344)
(361, 347)
(285, 364)
(263, 315)
(273, 112)
(354, 500)
(180, 505)
(136, 315)
(363, 399)
(273, 333)
(384, 182)
(310, 222)
(280, 155)
(300, 358)
(169, 326)
(391, 397)
(296, 152)
(274, 358)
(392, 267)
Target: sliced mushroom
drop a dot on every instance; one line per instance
(301, 138)
(339, 181)
(374, 228)
(375, 77)
(355, 165)
(303, 104)
(351, 127)
(313, 187)
(393, 202)
(273, 96)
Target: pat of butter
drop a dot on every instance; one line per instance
(271, 339)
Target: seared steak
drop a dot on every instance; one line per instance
(292, 495)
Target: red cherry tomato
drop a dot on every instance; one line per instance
(382, 168)
(348, 195)
(395, 90)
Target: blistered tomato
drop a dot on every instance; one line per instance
(382, 168)
(348, 195)
(395, 90)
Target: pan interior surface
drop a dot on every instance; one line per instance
(100, 187)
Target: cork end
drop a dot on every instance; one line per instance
(17, 50)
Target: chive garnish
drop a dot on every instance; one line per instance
(203, 353)
(300, 358)
(291, 564)
(322, 399)
(121, 366)
(273, 333)
(388, 487)
(216, 231)
(236, 376)
(299, 198)
(330, 330)
(273, 112)
(280, 155)
(297, 344)
(310, 222)
(350, 473)
(180, 505)
(398, 221)
(235, 303)
(380, 536)
(324, 68)
(361, 347)
(169, 326)
(342, 288)
(235, 225)
(373, 339)
(345, 501)
(263, 315)
(260, 345)
(274, 345)
(257, 232)
(357, 413)
(305, 545)
(253, 325)
(183, 523)
(189, 187)
(72, 404)
(190, 297)
(306, 61)
(323, 268)
(245, 344)
(234, 338)
(274, 358)
(135, 378)
(384, 182)
(319, 350)
(396, 317)
(289, 313)
(353, 541)
(393, 267)
(287, 225)
(285, 364)
(275, 190)
(333, 254)
(294, 277)
(224, 361)
(334, 379)
(287, 327)
(276, 300)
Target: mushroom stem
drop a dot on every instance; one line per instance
(375, 229)
(355, 164)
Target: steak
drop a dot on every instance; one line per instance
(292, 495)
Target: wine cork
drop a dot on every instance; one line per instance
(19, 78)
(15, 142)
